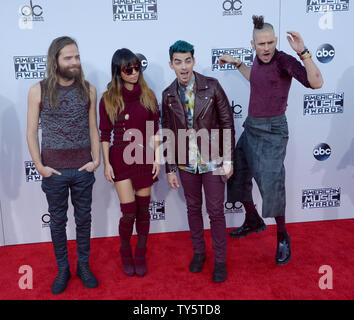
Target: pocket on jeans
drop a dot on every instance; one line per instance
(45, 181)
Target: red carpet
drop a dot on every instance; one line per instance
(252, 273)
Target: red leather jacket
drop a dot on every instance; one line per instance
(211, 111)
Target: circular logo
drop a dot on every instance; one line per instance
(325, 53)
(46, 218)
(232, 5)
(143, 61)
(31, 10)
(322, 151)
(236, 108)
(233, 205)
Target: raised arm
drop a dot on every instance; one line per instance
(314, 75)
(245, 71)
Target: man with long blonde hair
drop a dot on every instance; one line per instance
(66, 105)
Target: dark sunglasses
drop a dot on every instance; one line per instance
(129, 69)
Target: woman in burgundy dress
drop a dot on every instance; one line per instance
(129, 107)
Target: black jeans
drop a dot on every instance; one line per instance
(57, 188)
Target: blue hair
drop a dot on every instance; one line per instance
(181, 46)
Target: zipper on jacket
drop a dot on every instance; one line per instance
(207, 107)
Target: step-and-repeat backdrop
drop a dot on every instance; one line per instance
(320, 157)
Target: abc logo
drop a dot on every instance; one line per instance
(322, 152)
(143, 60)
(325, 53)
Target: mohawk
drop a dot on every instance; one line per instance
(260, 25)
(258, 22)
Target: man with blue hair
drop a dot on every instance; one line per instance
(197, 104)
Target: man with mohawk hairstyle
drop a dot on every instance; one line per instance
(261, 149)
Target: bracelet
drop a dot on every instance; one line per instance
(238, 62)
(306, 55)
(303, 52)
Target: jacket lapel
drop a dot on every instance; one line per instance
(201, 99)
(174, 102)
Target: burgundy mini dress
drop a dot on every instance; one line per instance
(126, 163)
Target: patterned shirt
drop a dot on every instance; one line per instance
(65, 129)
(196, 163)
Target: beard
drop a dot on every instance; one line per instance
(68, 74)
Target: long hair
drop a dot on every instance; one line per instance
(113, 97)
(51, 80)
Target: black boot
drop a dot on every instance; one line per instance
(86, 276)
(61, 281)
(219, 274)
(283, 253)
(252, 223)
(197, 262)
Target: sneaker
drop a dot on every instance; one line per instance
(86, 276)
